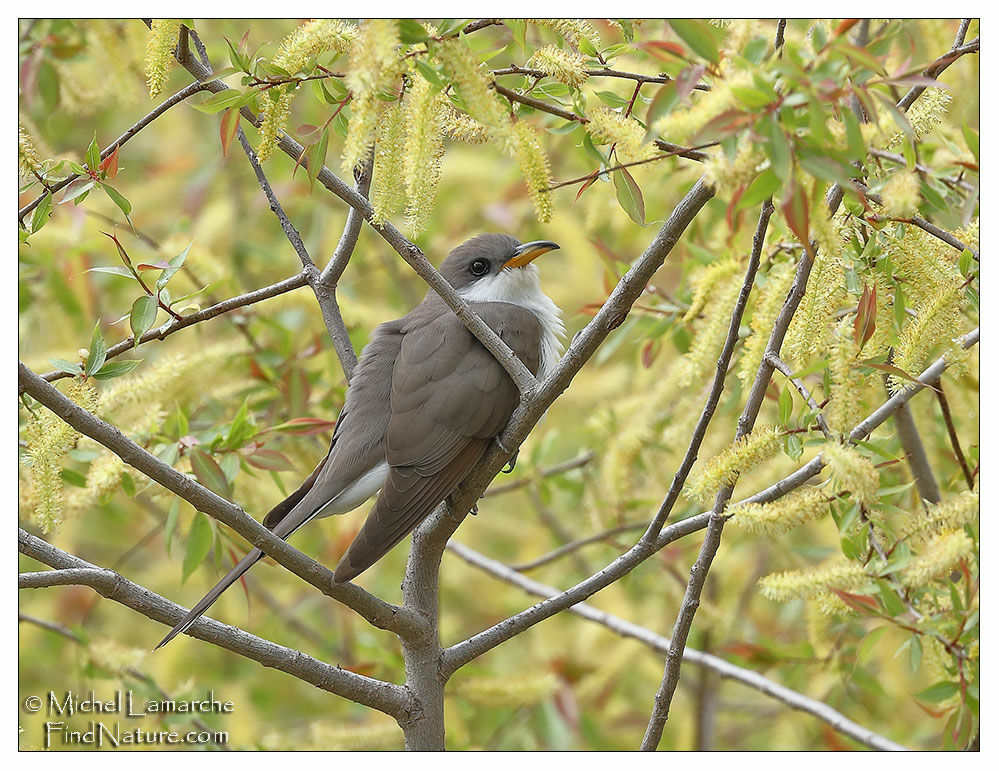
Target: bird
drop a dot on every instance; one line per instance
(422, 406)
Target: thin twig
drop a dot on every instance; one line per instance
(376, 611)
(144, 121)
(658, 643)
(785, 370)
(955, 441)
(559, 468)
(385, 697)
(599, 72)
(175, 325)
(537, 104)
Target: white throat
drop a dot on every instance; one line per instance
(520, 286)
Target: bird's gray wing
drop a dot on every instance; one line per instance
(356, 446)
(449, 397)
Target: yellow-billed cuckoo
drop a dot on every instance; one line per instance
(422, 405)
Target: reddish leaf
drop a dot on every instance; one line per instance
(751, 652)
(228, 128)
(210, 474)
(270, 460)
(795, 209)
(732, 205)
(649, 352)
(158, 265)
(866, 320)
(687, 79)
(121, 249)
(589, 181)
(845, 26)
(109, 166)
(894, 371)
(859, 602)
(303, 426)
(663, 49)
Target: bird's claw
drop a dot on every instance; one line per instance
(474, 510)
(511, 464)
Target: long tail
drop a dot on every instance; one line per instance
(251, 559)
(282, 522)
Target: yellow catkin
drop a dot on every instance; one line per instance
(948, 515)
(387, 188)
(682, 122)
(464, 128)
(565, 66)
(937, 323)
(852, 472)
(472, 83)
(927, 265)
(750, 451)
(824, 294)
(761, 323)
(48, 439)
(28, 162)
(608, 126)
(794, 509)
(727, 175)
(376, 735)
(706, 281)
(710, 331)
(740, 32)
(110, 655)
(571, 30)
(109, 71)
(901, 194)
(375, 66)
(163, 37)
(795, 584)
(845, 408)
(424, 149)
(508, 691)
(925, 114)
(818, 629)
(307, 41)
(939, 556)
(535, 169)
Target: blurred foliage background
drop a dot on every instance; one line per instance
(226, 390)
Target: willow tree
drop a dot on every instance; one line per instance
(772, 266)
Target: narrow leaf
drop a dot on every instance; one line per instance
(199, 543)
(629, 195)
(143, 315)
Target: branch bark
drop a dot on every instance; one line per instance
(385, 697)
(658, 643)
(377, 612)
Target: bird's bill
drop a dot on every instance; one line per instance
(529, 252)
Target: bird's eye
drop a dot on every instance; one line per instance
(479, 267)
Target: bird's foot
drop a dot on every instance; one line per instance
(511, 464)
(474, 510)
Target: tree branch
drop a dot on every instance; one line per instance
(461, 653)
(385, 697)
(955, 441)
(175, 325)
(521, 376)
(144, 121)
(778, 364)
(598, 72)
(658, 643)
(377, 612)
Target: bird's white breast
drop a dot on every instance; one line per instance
(520, 286)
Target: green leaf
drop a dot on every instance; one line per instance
(785, 404)
(93, 154)
(113, 369)
(66, 366)
(411, 31)
(210, 474)
(171, 523)
(42, 213)
(971, 139)
(761, 188)
(611, 99)
(199, 543)
(629, 195)
(119, 200)
(939, 692)
(143, 315)
(74, 478)
(175, 264)
(77, 188)
(697, 35)
(98, 352)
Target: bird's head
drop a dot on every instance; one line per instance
(480, 262)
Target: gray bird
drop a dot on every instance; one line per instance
(422, 405)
